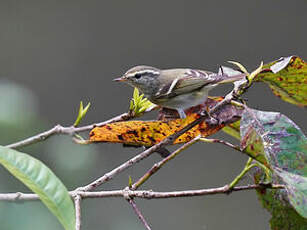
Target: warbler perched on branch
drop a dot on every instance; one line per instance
(177, 89)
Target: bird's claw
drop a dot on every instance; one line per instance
(209, 119)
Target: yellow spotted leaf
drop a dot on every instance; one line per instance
(287, 77)
(148, 133)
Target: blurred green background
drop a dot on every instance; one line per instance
(55, 53)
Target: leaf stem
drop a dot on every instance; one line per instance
(209, 140)
(247, 167)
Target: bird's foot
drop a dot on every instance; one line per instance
(209, 119)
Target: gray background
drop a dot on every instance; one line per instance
(55, 53)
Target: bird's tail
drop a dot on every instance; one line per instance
(228, 79)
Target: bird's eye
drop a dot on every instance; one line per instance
(138, 75)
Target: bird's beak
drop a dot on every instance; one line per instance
(120, 79)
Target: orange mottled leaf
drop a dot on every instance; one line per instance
(148, 133)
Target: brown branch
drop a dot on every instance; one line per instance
(145, 194)
(70, 130)
(139, 214)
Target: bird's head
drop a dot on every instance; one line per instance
(142, 77)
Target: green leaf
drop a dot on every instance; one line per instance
(285, 148)
(131, 105)
(287, 77)
(82, 112)
(41, 180)
(284, 143)
(135, 93)
(233, 130)
(296, 187)
(138, 104)
(284, 216)
(130, 182)
(250, 76)
(253, 146)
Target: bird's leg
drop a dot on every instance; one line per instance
(181, 113)
(209, 119)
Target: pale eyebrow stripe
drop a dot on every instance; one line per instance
(172, 86)
(142, 72)
(130, 74)
(149, 71)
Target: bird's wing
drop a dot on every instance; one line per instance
(184, 81)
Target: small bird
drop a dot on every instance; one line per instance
(177, 89)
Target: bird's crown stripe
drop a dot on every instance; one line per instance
(143, 72)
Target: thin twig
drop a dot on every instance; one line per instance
(241, 175)
(145, 194)
(70, 130)
(139, 214)
(158, 165)
(210, 140)
(77, 200)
